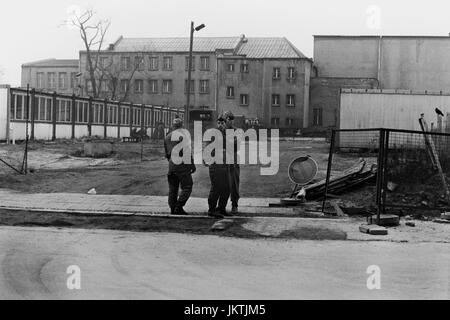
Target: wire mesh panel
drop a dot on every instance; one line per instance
(352, 169)
(416, 168)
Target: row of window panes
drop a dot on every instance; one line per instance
(289, 121)
(290, 100)
(244, 67)
(63, 112)
(153, 63)
(276, 74)
(51, 83)
(153, 86)
(244, 98)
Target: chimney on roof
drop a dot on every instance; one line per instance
(243, 39)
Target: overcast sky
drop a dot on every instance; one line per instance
(32, 30)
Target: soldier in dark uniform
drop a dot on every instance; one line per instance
(179, 176)
(218, 174)
(234, 170)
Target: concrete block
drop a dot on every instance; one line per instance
(410, 224)
(387, 220)
(373, 230)
(97, 149)
(445, 215)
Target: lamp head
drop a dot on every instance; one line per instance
(200, 27)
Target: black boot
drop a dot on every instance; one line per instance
(179, 211)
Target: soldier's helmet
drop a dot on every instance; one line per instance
(228, 115)
(177, 122)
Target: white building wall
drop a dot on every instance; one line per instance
(4, 110)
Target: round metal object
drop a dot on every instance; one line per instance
(302, 170)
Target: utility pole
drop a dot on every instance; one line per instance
(188, 86)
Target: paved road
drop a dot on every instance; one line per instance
(126, 265)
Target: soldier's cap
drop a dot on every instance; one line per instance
(177, 122)
(221, 118)
(228, 115)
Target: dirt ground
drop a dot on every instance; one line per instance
(58, 167)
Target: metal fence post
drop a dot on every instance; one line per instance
(380, 166)
(330, 160)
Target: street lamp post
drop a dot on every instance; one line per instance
(188, 86)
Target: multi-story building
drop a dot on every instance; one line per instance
(374, 62)
(51, 75)
(257, 78)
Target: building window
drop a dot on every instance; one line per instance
(138, 86)
(89, 86)
(73, 80)
(290, 100)
(104, 62)
(187, 64)
(204, 63)
(204, 86)
(230, 92)
(275, 100)
(192, 87)
(62, 80)
(44, 109)
(111, 111)
(139, 63)
(244, 100)
(63, 110)
(153, 86)
(81, 111)
(317, 117)
(124, 85)
(275, 122)
(125, 63)
(51, 81)
(167, 63)
(276, 73)
(230, 67)
(97, 111)
(244, 68)
(167, 86)
(290, 122)
(291, 73)
(40, 80)
(125, 116)
(153, 65)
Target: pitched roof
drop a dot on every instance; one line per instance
(200, 44)
(259, 48)
(256, 48)
(53, 63)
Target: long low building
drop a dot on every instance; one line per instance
(55, 116)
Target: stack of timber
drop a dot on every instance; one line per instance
(358, 174)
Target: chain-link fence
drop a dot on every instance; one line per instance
(410, 168)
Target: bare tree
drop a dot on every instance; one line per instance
(92, 32)
(103, 75)
(114, 73)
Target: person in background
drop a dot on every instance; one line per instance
(179, 175)
(233, 168)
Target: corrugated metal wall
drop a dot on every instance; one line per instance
(362, 109)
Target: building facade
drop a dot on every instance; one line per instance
(52, 75)
(257, 78)
(417, 63)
